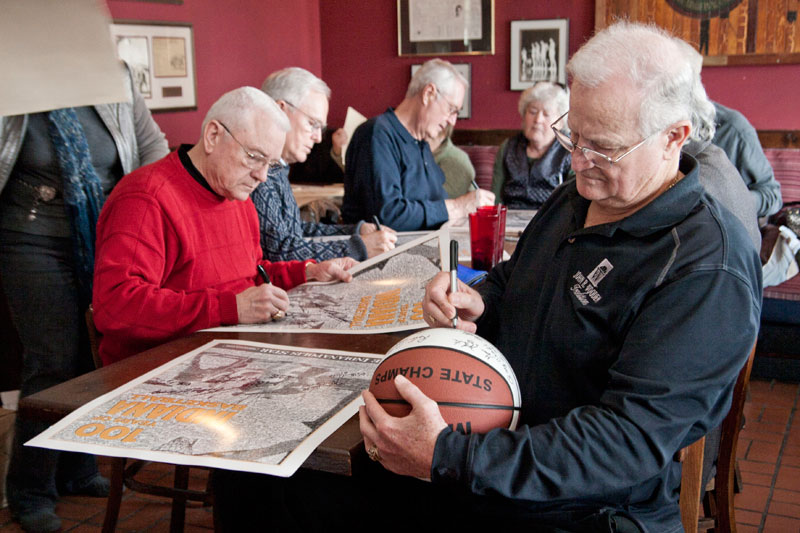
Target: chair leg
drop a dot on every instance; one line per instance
(114, 495)
(178, 501)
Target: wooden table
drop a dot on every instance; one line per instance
(341, 453)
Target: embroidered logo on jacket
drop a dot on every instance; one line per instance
(585, 287)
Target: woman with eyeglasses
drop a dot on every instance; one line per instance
(530, 165)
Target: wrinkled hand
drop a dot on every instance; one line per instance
(338, 140)
(459, 208)
(439, 306)
(331, 270)
(258, 304)
(405, 444)
(378, 242)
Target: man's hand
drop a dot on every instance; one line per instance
(405, 444)
(459, 208)
(439, 306)
(331, 270)
(259, 304)
(378, 242)
(338, 140)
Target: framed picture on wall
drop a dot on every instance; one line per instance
(538, 52)
(161, 59)
(445, 27)
(465, 69)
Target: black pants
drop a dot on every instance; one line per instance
(380, 501)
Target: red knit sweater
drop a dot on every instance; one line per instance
(171, 257)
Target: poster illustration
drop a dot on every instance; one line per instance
(231, 404)
(384, 296)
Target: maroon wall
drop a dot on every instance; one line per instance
(360, 63)
(236, 43)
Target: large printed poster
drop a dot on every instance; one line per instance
(231, 404)
(384, 296)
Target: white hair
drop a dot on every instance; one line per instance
(547, 93)
(293, 84)
(704, 113)
(233, 107)
(651, 60)
(440, 73)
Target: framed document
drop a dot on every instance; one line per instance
(538, 52)
(445, 27)
(161, 59)
(465, 69)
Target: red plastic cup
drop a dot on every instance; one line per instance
(483, 226)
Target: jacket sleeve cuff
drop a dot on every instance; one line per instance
(356, 248)
(228, 311)
(450, 457)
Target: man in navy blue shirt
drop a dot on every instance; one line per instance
(389, 169)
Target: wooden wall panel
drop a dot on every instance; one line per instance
(753, 32)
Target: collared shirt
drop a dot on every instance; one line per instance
(283, 232)
(626, 339)
(393, 176)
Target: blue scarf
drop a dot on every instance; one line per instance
(83, 192)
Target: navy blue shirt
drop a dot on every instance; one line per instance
(390, 174)
(626, 339)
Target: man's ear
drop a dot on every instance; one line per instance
(428, 94)
(282, 104)
(212, 135)
(677, 136)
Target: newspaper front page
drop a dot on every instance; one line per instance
(230, 404)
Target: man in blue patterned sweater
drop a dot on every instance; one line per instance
(284, 236)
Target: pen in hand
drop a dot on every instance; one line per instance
(377, 222)
(475, 184)
(277, 315)
(454, 273)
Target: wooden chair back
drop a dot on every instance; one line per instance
(724, 480)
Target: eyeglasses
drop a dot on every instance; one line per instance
(596, 158)
(255, 161)
(452, 109)
(311, 123)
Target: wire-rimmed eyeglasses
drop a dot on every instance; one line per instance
(311, 123)
(596, 158)
(254, 161)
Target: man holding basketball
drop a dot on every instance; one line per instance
(626, 312)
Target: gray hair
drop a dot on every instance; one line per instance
(235, 106)
(440, 73)
(293, 84)
(704, 113)
(545, 92)
(650, 59)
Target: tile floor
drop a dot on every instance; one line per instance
(769, 460)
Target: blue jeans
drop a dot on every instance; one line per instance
(42, 291)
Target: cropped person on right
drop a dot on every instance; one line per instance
(530, 165)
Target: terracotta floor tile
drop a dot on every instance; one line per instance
(791, 510)
(757, 385)
(780, 524)
(761, 435)
(756, 468)
(790, 460)
(791, 449)
(750, 478)
(765, 427)
(786, 389)
(752, 498)
(743, 528)
(748, 517)
(765, 452)
(774, 400)
(788, 478)
(776, 415)
(786, 496)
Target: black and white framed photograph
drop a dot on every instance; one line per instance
(465, 70)
(161, 59)
(538, 52)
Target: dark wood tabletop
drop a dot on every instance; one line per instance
(341, 453)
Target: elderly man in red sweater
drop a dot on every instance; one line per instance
(178, 240)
